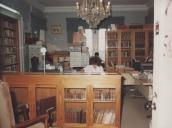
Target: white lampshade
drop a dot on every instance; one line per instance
(43, 51)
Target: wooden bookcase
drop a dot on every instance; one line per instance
(9, 44)
(82, 101)
(124, 44)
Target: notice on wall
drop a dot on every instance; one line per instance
(168, 46)
(168, 31)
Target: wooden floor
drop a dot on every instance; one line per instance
(133, 112)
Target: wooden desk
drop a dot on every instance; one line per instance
(143, 85)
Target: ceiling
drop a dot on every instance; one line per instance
(62, 3)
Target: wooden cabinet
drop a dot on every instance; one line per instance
(124, 44)
(9, 44)
(61, 57)
(82, 101)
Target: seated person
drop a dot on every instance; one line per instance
(136, 64)
(99, 60)
(94, 67)
(149, 59)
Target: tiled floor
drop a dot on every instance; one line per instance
(133, 113)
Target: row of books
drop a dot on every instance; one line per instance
(80, 94)
(100, 116)
(9, 33)
(140, 36)
(9, 50)
(11, 68)
(126, 35)
(8, 24)
(75, 115)
(126, 53)
(104, 94)
(125, 44)
(113, 44)
(140, 44)
(112, 54)
(104, 116)
(10, 60)
(75, 94)
(8, 42)
(112, 35)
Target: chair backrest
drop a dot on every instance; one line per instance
(35, 63)
(6, 110)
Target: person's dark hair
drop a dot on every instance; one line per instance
(96, 54)
(95, 61)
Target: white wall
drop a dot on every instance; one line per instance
(162, 79)
(102, 42)
(89, 41)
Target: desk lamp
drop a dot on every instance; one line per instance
(43, 51)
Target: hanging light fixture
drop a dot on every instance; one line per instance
(93, 11)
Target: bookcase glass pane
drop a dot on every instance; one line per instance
(75, 112)
(75, 105)
(150, 40)
(46, 103)
(126, 36)
(104, 113)
(104, 105)
(75, 94)
(105, 94)
(19, 97)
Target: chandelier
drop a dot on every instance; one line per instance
(93, 11)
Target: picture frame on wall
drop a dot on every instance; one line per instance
(56, 29)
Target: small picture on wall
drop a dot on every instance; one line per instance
(56, 29)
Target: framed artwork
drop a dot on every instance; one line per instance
(56, 29)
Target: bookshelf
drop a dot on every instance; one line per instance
(140, 46)
(82, 101)
(112, 49)
(75, 105)
(104, 106)
(124, 44)
(9, 46)
(126, 48)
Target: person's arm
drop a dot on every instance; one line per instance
(101, 70)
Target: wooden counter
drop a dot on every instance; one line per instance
(32, 87)
(141, 81)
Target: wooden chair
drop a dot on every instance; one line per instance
(47, 105)
(7, 116)
(20, 110)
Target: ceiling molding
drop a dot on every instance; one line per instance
(114, 8)
(129, 8)
(60, 9)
